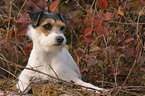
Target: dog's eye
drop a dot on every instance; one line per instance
(48, 26)
(62, 28)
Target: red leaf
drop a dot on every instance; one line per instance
(8, 37)
(129, 39)
(28, 47)
(42, 4)
(22, 30)
(54, 6)
(98, 24)
(99, 28)
(13, 33)
(129, 51)
(85, 70)
(102, 29)
(92, 61)
(103, 4)
(107, 16)
(88, 31)
(142, 2)
(23, 19)
(88, 39)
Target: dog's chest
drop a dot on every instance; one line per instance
(46, 63)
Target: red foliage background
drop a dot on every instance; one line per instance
(105, 37)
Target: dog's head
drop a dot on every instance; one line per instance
(47, 30)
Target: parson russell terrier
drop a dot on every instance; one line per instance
(46, 32)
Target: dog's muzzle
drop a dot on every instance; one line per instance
(59, 40)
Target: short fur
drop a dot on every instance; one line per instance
(47, 52)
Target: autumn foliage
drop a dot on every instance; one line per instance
(105, 37)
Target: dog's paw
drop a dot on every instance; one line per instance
(21, 86)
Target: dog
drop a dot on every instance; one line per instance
(49, 54)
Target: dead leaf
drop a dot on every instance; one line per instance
(129, 51)
(85, 69)
(22, 30)
(90, 11)
(106, 61)
(87, 21)
(54, 5)
(94, 48)
(129, 39)
(98, 24)
(101, 30)
(92, 61)
(142, 2)
(88, 31)
(28, 47)
(42, 4)
(75, 14)
(23, 19)
(107, 16)
(88, 39)
(103, 4)
(120, 11)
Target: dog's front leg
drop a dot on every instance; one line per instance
(24, 79)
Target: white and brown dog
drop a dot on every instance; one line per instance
(46, 32)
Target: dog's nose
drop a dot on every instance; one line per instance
(59, 39)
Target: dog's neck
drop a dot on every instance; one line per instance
(40, 51)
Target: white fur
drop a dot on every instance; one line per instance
(44, 54)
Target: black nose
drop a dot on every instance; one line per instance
(59, 39)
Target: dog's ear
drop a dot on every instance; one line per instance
(61, 17)
(35, 16)
(64, 19)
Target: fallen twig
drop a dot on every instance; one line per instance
(126, 23)
(20, 66)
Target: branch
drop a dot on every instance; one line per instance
(20, 42)
(35, 5)
(126, 23)
(21, 8)
(8, 72)
(135, 61)
(83, 53)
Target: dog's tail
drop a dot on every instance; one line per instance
(80, 82)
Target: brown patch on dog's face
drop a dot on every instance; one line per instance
(50, 25)
(60, 25)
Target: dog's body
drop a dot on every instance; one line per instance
(49, 54)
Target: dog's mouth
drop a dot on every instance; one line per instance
(59, 44)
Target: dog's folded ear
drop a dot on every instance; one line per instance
(64, 19)
(61, 17)
(35, 16)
